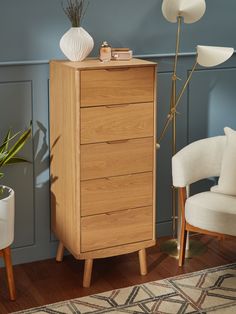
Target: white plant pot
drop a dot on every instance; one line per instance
(76, 44)
(7, 217)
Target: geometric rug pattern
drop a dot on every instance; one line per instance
(208, 291)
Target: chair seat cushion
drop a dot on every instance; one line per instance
(212, 211)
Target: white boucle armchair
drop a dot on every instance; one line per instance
(207, 212)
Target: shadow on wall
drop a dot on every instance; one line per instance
(43, 175)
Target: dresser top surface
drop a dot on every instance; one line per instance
(97, 64)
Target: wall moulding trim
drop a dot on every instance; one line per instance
(15, 63)
(230, 68)
(33, 62)
(147, 56)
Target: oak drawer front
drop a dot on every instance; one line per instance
(116, 122)
(117, 86)
(117, 228)
(116, 158)
(116, 193)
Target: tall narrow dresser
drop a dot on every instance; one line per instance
(103, 163)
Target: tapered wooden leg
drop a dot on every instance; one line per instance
(60, 252)
(142, 262)
(88, 267)
(9, 271)
(183, 234)
(182, 250)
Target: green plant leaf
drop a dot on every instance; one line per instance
(16, 147)
(15, 160)
(6, 141)
(2, 155)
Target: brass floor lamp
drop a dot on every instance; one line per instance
(187, 11)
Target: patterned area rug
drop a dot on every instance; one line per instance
(208, 291)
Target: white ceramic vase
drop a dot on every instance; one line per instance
(7, 217)
(76, 44)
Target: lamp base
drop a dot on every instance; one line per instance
(196, 248)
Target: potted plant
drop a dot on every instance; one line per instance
(9, 149)
(76, 43)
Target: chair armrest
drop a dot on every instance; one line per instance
(198, 160)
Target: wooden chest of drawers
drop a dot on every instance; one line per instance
(102, 141)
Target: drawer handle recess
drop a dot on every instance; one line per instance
(117, 142)
(117, 106)
(118, 69)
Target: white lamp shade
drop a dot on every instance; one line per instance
(190, 10)
(209, 56)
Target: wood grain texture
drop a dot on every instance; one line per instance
(94, 63)
(116, 86)
(220, 236)
(60, 252)
(183, 232)
(154, 200)
(64, 157)
(143, 262)
(9, 272)
(116, 193)
(117, 122)
(117, 250)
(116, 158)
(113, 229)
(105, 152)
(88, 268)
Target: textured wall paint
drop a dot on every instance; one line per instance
(31, 29)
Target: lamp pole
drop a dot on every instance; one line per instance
(173, 111)
(172, 117)
(190, 12)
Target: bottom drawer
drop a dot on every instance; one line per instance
(116, 228)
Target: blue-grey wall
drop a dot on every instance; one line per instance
(29, 34)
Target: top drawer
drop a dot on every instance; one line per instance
(113, 86)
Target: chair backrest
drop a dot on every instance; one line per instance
(7, 215)
(198, 160)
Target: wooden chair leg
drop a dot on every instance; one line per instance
(88, 267)
(182, 250)
(9, 271)
(60, 252)
(183, 234)
(143, 262)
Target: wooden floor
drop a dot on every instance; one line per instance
(47, 281)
